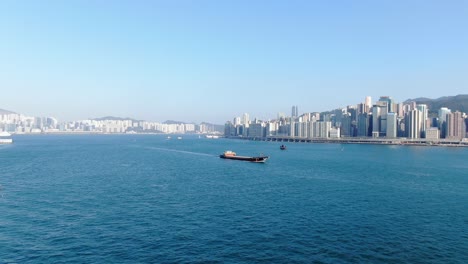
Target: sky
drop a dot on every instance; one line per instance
(202, 60)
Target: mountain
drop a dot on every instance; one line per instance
(173, 122)
(454, 103)
(113, 118)
(6, 112)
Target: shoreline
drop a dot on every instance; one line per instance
(371, 141)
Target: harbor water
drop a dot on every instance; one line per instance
(150, 199)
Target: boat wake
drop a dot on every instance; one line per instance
(182, 151)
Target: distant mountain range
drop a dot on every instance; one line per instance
(173, 122)
(114, 118)
(5, 112)
(454, 103)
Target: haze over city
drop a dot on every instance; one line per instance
(212, 60)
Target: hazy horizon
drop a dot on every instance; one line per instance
(213, 60)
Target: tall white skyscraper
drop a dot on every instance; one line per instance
(413, 124)
(245, 119)
(423, 118)
(368, 102)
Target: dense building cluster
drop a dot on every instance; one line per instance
(21, 124)
(383, 119)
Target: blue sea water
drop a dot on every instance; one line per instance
(147, 199)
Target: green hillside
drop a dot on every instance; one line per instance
(454, 103)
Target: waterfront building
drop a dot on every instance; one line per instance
(423, 118)
(443, 121)
(391, 125)
(271, 128)
(363, 125)
(256, 130)
(412, 124)
(375, 120)
(229, 129)
(455, 125)
(379, 119)
(335, 132)
(432, 133)
(321, 129)
(310, 130)
(466, 126)
(303, 129)
(346, 126)
(292, 128)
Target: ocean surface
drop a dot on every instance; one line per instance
(147, 199)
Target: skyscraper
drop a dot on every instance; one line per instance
(363, 125)
(245, 119)
(379, 116)
(455, 126)
(443, 121)
(412, 124)
(390, 104)
(368, 102)
(391, 125)
(375, 121)
(423, 119)
(294, 111)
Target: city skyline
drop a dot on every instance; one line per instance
(368, 100)
(384, 122)
(198, 60)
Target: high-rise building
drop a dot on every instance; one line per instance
(257, 130)
(455, 125)
(245, 119)
(391, 125)
(294, 111)
(412, 124)
(363, 125)
(321, 129)
(443, 121)
(400, 110)
(375, 121)
(389, 101)
(379, 116)
(346, 127)
(368, 103)
(423, 119)
(361, 109)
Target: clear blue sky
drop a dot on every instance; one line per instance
(213, 60)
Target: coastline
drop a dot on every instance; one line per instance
(373, 141)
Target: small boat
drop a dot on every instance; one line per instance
(5, 138)
(232, 155)
(282, 147)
